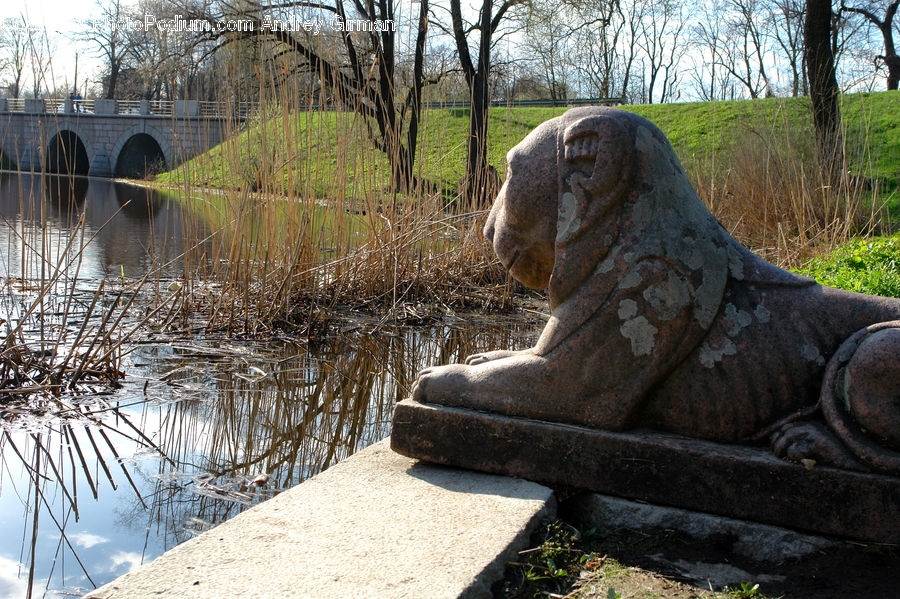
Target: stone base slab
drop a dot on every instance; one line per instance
(376, 525)
(736, 481)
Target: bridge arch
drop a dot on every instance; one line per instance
(67, 154)
(134, 145)
(140, 156)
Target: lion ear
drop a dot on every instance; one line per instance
(600, 148)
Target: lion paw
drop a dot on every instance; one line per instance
(441, 384)
(812, 441)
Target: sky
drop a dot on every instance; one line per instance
(60, 17)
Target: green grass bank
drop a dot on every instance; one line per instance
(329, 153)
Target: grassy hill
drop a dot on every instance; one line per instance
(327, 153)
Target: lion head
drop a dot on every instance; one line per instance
(563, 181)
(518, 227)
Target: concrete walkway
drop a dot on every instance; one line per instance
(375, 525)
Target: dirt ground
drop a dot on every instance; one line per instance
(666, 564)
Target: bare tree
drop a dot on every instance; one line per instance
(710, 80)
(110, 40)
(632, 19)
(165, 63)
(749, 21)
(823, 88)
(742, 50)
(662, 26)
(885, 25)
(787, 17)
(547, 37)
(14, 47)
(357, 69)
(40, 55)
(604, 35)
(476, 68)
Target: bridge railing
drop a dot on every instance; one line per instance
(173, 108)
(15, 104)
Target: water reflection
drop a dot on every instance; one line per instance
(65, 193)
(202, 430)
(131, 230)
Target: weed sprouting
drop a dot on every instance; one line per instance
(747, 590)
(552, 566)
(868, 265)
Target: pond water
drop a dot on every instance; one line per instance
(134, 229)
(200, 428)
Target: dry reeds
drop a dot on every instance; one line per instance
(329, 230)
(767, 186)
(54, 336)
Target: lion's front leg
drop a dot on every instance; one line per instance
(518, 384)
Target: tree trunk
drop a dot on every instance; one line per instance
(408, 158)
(823, 86)
(113, 77)
(891, 60)
(893, 65)
(886, 26)
(477, 187)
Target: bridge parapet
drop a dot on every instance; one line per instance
(238, 111)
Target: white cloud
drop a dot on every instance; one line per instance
(13, 579)
(131, 559)
(86, 540)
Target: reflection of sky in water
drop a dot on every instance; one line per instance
(107, 536)
(223, 413)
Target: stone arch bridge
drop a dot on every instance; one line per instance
(112, 138)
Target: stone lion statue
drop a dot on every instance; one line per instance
(661, 320)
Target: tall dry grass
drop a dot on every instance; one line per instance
(769, 187)
(308, 222)
(333, 233)
(60, 331)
